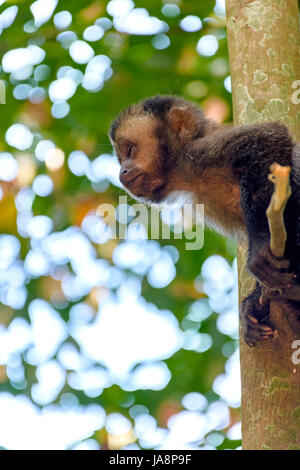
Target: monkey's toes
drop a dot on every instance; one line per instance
(254, 333)
(254, 321)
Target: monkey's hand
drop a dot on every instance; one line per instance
(255, 318)
(270, 271)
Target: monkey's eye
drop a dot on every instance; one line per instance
(129, 150)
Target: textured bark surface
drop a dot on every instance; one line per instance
(263, 40)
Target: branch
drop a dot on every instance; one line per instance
(280, 177)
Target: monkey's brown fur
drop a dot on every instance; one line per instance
(165, 145)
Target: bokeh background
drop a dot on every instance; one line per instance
(107, 343)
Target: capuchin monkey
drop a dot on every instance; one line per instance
(166, 146)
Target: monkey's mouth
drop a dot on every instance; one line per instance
(133, 182)
(134, 179)
(128, 175)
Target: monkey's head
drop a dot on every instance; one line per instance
(149, 138)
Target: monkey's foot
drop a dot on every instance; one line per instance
(270, 271)
(255, 319)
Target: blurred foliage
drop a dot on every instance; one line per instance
(139, 70)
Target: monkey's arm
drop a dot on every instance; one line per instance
(267, 143)
(250, 151)
(246, 153)
(254, 311)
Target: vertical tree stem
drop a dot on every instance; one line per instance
(263, 38)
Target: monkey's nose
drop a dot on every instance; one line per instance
(129, 174)
(124, 175)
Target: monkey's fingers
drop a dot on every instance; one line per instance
(265, 330)
(278, 263)
(269, 270)
(253, 329)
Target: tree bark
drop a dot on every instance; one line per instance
(263, 37)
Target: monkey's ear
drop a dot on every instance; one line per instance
(181, 119)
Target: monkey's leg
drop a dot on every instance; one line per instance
(255, 318)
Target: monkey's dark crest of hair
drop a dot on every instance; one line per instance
(157, 106)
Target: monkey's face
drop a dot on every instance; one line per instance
(139, 153)
(150, 139)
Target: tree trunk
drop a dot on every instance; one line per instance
(263, 39)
